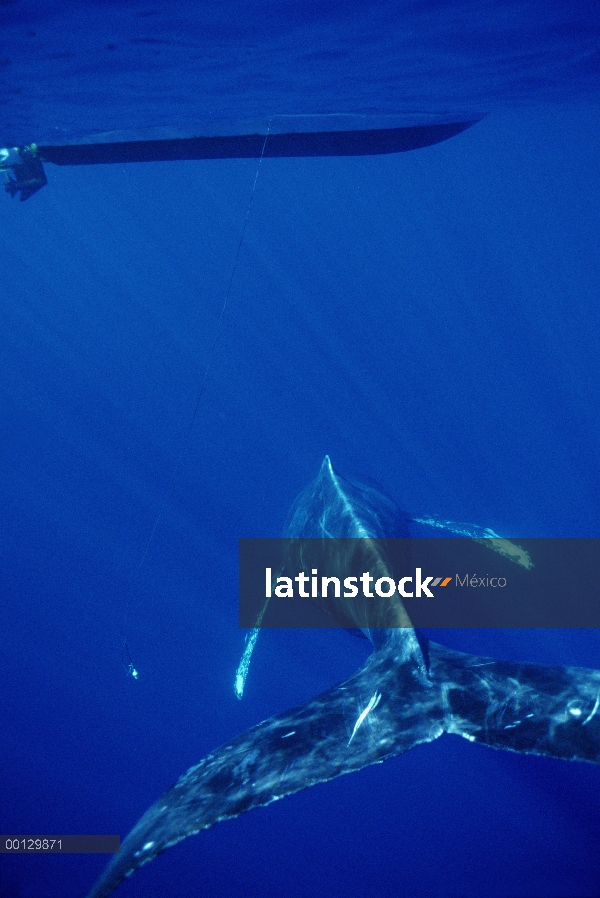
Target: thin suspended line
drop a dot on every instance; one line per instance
(126, 655)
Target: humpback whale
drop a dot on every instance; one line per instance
(410, 691)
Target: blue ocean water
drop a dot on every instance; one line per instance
(429, 319)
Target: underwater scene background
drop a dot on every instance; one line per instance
(428, 319)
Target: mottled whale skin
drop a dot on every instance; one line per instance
(411, 691)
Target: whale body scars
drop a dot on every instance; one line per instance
(396, 701)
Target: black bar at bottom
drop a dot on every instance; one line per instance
(44, 844)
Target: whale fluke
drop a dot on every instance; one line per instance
(408, 692)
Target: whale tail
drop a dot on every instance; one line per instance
(408, 692)
(385, 709)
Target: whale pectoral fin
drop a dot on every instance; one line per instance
(527, 708)
(390, 707)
